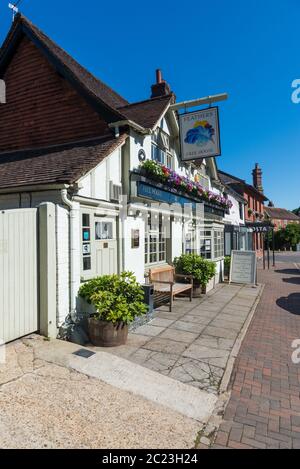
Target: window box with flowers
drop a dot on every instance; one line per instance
(181, 184)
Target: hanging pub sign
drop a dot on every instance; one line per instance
(200, 134)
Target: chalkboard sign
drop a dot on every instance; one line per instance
(243, 267)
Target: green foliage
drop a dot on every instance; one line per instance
(227, 264)
(291, 234)
(155, 169)
(116, 298)
(287, 237)
(192, 264)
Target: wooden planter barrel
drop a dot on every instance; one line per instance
(107, 334)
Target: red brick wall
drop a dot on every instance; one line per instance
(256, 205)
(42, 107)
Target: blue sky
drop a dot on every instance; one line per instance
(248, 49)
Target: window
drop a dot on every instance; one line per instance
(218, 244)
(241, 209)
(160, 148)
(190, 240)
(103, 230)
(155, 242)
(86, 242)
(212, 243)
(205, 244)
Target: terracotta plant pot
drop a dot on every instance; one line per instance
(107, 334)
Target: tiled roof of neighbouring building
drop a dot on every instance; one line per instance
(64, 164)
(238, 184)
(280, 214)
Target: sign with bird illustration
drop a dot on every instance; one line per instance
(200, 134)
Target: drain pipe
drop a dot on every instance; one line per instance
(73, 246)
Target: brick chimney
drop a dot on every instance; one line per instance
(257, 178)
(161, 87)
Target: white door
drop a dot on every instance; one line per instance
(18, 273)
(105, 246)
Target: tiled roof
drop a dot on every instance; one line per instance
(67, 163)
(146, 113)
(238, 184)
(95, 87)
(229, 179)
(54, 165)
(281, 214)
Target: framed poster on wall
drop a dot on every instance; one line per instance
(135, 239)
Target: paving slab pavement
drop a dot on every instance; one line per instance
(193, 343)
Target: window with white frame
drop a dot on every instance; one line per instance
(218, 243)
(206, 243)
(160, 148)
(212, 243)
(155, 241)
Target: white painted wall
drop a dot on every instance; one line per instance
(134, 258)
(176, 231)
(234, 216)
(96, 183)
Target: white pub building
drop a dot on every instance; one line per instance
(91, 184)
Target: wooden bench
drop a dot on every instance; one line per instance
(164, 281)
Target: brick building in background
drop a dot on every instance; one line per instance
(280, 217)
(254, 208)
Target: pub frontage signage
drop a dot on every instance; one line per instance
(260, 227)
(200, 134)
(243, 267)
(148, 191)
(155, 193)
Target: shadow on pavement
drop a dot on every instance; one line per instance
(288, 271)
(290, 303)
(294, 280)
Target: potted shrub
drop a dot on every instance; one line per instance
(118, 300)
(227, 263)
(201, 269)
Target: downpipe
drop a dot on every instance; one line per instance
(73, 246)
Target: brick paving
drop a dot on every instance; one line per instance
(264, 407)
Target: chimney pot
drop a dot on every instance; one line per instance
(158, 76)
(161, 87)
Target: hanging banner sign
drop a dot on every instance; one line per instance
(200, 134)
